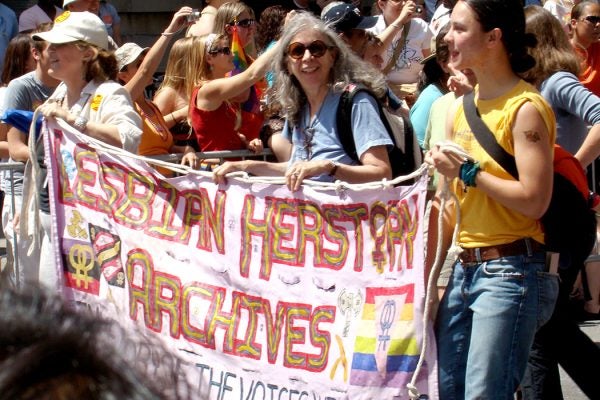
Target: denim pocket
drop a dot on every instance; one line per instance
(503, 268)
(547, 294)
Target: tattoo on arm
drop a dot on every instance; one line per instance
(532, 136)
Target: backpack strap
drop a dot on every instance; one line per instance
(344, 121)
(486, 138)
(402, 162)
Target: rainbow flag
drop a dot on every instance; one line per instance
(386, 350)
(240, 62)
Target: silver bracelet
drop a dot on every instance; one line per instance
(80, 123)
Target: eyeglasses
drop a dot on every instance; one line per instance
(245, 23)
(223, 50)
(316, 49)
(592, 19)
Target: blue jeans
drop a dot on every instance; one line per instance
(486, 324)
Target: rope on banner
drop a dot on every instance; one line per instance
(453, 251)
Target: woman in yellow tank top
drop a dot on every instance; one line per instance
(499, 292)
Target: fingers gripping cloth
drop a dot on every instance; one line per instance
(454, 251)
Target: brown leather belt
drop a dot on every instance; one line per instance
(481, 254)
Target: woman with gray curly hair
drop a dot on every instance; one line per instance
(312, 67)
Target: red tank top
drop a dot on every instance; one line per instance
(215, 130)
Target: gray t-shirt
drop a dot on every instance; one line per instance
(575, 108)
(318, 139)
(23, 93)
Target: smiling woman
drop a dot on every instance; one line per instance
(87, 99)
(312, 67)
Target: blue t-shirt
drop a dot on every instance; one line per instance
(419, 112)
(318, 139)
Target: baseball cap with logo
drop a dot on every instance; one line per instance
(128, 53)
(344, 17)
(76, 26)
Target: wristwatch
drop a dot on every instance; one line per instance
(80, 123)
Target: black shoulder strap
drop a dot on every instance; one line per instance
(344, 121)
(486, 138)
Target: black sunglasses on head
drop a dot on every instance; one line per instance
(316, 49)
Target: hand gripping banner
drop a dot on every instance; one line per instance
(270, 294)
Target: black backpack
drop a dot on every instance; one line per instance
(405, 156)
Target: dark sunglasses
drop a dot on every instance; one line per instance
(223, 50)
(316, 49)
(592, 19)
(245, 23)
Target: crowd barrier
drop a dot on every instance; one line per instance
(8, 168)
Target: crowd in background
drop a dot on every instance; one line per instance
(270, 76)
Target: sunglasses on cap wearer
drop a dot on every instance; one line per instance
(316, 49)
(244, 23)
(223, 50)
(592, 19)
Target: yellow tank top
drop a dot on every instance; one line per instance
(485, 222)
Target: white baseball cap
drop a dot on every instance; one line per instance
(74, 26)
(67, 2)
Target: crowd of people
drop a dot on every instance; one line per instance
(237, 82)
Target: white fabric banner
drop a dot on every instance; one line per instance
(271, 294)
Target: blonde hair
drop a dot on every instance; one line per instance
(186, 66)
(227, 14)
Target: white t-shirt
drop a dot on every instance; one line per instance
(407, 66)
(561, 9)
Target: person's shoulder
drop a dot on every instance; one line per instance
(24, 81)
(8, 12)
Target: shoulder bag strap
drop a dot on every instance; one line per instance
(486, 138)
(398, 49)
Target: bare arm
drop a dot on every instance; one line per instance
(4, 140)
(390, 32)
(254, 167)
(590, 149)
(137, 84)
(166, 101)
(530, 195)
(213, 93)
(17, 145)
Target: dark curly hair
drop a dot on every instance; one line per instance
(269, 26)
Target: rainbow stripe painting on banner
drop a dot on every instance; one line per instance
(386, 350)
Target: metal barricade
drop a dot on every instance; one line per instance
(12, 167)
